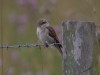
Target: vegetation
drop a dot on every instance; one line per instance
(19, 20)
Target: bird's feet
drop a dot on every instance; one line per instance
(46, 45)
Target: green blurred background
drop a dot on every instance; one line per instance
(19, 21)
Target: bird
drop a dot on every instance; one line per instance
(47, 35)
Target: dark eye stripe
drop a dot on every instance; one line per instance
(42, 23)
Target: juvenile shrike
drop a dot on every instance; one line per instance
(47, 35)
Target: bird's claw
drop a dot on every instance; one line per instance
(46, 45)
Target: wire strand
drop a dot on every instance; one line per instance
(25, 45)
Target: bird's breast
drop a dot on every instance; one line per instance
(43, 36)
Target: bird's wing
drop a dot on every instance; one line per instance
(52, 34)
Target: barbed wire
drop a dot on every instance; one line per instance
(25, 45)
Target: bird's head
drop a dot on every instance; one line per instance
(43, 23)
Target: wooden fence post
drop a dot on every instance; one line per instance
(79, 53)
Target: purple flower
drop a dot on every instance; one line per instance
(32, 3)
(10, 71)
(14, 55)
(21, 2)
(21, 29)
(23, 18)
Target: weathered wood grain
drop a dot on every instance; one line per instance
(79, 53)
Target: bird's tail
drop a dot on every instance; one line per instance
(59, 49)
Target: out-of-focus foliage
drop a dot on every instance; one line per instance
(19, 20)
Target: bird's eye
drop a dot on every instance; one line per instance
(43, 22)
